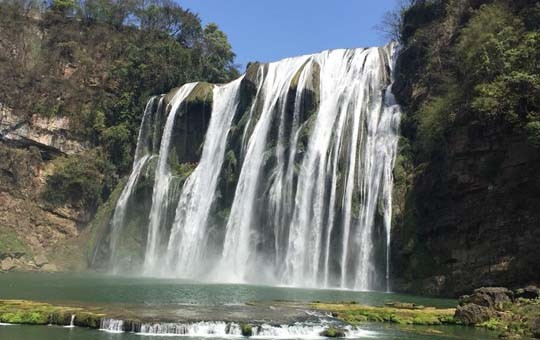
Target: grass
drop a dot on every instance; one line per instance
(521, 318)
(407, 315)
(38, 313)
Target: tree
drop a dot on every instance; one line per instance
(217, 54)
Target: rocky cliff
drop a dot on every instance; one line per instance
(467, 198)
(29, 227)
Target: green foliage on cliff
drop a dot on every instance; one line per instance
(10, 243)
(467, 78)
(479, 61)
(98, 62)
(81, 181)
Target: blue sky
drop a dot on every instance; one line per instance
(269, 30)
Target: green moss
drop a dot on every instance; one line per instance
(37, 313)
(202, 93)
(333, 332)
(492, 324)
(355, 313)
(247, 330)
(183, 170)
(10, 243)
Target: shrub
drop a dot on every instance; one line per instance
(81, 181)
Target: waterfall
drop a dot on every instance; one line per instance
(236, 248)
(71, 322)
(163, 179)
(187, 242)
(293, 182)
(145, 147)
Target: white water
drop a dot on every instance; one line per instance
(187, 242)
(112, 325)
(162, 181)
(236, 247)
(71, 322)
(142, 154)
(201, 329)
(312, 196)
(222, 329)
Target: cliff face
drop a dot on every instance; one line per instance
(468, 211)
(30, 228)
(474, 218)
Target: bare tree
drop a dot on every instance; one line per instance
(392, 21)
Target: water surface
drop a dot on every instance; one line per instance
(99, 288)
(213, 300)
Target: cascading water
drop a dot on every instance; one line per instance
(293, 184)
(145, 147)
(188, 239)
(222, 329)
(162, 181)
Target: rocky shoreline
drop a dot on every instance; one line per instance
(512, 313)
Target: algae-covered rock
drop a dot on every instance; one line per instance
(202, 93)
(247, 330)
(333, 332)
(38, 313)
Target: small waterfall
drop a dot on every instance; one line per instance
(201, 328)
(223, 329)
(112, 325)
(293, 182)
(305, 331)
(71, 322)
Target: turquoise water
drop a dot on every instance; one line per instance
(114, 289)
(104, 289)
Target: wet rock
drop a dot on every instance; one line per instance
(333, 332)
(529, 292)
(247, 330)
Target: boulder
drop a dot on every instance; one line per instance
(490, 297)
(333, 332)
(472, 314)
